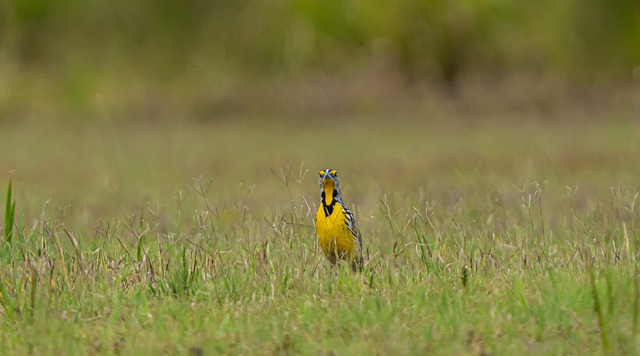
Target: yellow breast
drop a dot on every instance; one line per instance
(333, 235)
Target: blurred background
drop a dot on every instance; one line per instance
(113, 105)
(203, 60)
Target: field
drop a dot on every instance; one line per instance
(482, 236)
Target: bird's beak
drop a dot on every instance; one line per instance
(327, 181)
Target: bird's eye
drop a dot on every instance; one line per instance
(333, 172)
(321, 173)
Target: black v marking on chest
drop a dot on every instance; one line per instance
(328, 208)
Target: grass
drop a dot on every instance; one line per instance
(9, 217)
(480, 239)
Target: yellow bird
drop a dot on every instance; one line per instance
(338, 234)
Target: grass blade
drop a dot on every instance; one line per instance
(597, 306)
(9, 216)
(636, 305)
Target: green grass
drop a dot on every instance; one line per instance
(496, 238)
(9, 217)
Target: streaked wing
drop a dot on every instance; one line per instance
(351, 225)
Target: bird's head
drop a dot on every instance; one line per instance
(329, 184)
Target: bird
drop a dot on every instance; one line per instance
(338, 233)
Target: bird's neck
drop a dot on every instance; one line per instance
(329, 195)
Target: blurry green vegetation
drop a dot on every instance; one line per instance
(95, 58)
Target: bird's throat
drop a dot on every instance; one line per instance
(328, 187)
(328, 195)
